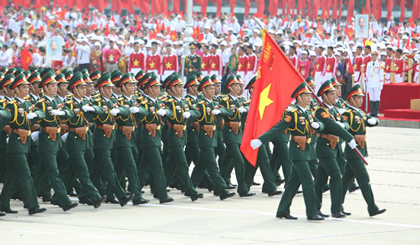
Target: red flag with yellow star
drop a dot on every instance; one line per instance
(276, 80)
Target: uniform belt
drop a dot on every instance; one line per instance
(74, 129)
(325, 136)
(102, 126)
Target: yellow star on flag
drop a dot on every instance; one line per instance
(152, 64)
(264, 101)
(213, 65)
(136, 63)
(168, 65)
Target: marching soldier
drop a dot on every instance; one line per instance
(177, 116)
(104, 139)
(18, 145)
(151, 139)
(207, 140)
(232, 135)
(49, 139)
(78, 141)
(327, 150)
(192, 62)
(299, 121)
(355, 167)
(124, 110)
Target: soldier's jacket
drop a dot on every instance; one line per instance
(192, 64)
(191, 131)
(34, 122)
(285, 135)
(323, 148)
(3, 134)
(103, 116)
(151, 118)
(245, 103)
(46, 105)
(19, 109)
(340, 103)
(126, 119)
(357, 120)
(298, 122)
(232, 104)
(176, 107)
(78, 119)
(219, 119)
(204, 108)
(4, 117)
(165, 122)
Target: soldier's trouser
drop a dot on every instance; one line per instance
(192, 154)
(48, 160)
(356, 168)
(3, 165)
(301, 174)
(220, 149)
(126, 158)
(42, 186)
(18, 175)
(280, 158)
(236, 157)
(103, 159)
(80, 170)
(329, 167)
(176, 154)
(153, 163)
(208, 162)
(264, 163)
(169, 167)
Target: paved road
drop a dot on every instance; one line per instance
(395, 176)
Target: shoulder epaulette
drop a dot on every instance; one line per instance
(170, 100)
(41, 100)
(202, 102)
(121, 99)
(248, 101)
(12, 102)
(98, 99)
(96, 95)
(225, 98)
(291, 109)
(2, 100)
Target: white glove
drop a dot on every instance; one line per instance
(341, 124)
(315, 125)
(64, 137)
(352, 144)
(134, 109)
(31, 115)
(7, 140)
(87, 108)
(216, 112)
(161, 112)
(35, 136)
(186, 114)
(341, 110)
(58, 113)
(256, 143)
(372, 121)
(242, 109)
(115, 111)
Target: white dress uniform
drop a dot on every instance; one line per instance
(375, 79)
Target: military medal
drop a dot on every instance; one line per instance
(21, 111)
(76, 111)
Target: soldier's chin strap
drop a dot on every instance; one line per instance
(151, 93)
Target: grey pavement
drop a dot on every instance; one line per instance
(394, 169)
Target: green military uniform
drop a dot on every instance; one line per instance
(77, 142)
(298, 121)
(104, 141)
(19, 141)
(232, 137)
(178, 115)
(207, 141)
(192, 63)
(6, 80)
(327, 153)
(151, 143)
(50, 142)
(221, 148)
(358, 120)
(126, 138)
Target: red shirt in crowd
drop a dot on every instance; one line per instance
(153, 62)
(170, 63)
(205, 62)
(320, 63)
(112, 56)
(252, 63)
(242, 63)
(216, 63)
(136, 60)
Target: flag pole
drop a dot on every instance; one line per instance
(319, 101)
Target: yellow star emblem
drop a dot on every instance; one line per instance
(111, 57)
(239, 66)
(168, 65)
(328, 67)
(136, 63)
(249, 66)
(387, 67)
(264, 101)
(355, 66)
(152, 65)
(203, 65)
(317, 66)
(213, 65)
